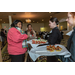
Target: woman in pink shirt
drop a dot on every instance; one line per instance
(16, 41)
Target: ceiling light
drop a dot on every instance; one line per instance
(28, 20)
(0, 19)
(42, 19)
(49, 12)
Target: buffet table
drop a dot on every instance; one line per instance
(36, 52)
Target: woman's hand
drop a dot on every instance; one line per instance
(28, 36)
(31, 32)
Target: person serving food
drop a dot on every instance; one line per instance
(54, 37)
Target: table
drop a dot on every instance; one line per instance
(36, 52)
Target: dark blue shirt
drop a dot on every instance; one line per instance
(71, 44)
(55, 36)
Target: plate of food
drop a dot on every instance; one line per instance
(39, 41)
(49, 50)
(53, 48)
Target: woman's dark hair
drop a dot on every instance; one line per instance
(14, 24)
(54, 19)
(28, 25)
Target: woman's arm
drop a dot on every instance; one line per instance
(34, 33)
(16, 36)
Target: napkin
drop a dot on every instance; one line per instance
(69, 33)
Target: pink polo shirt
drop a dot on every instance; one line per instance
(15, 39)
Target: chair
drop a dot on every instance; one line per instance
(5, 55)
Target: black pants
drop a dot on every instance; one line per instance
(52, 59)
(17, 58)
(3, 44)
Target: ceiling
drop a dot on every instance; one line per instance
(34, 16)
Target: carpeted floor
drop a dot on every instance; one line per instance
(0, 53)
(6, 58)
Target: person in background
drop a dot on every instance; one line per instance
(16, 42)
(71, 41)
(61, 33)
(40, 34)
(0, 36)
(3, 38)
(5, 32)
(30, 32)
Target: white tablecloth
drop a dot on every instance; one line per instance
(33, 45)
(42, 51)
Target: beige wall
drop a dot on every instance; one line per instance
(5, 25)
(64, 24)
(47, 28)
(0, 26)
(35, 26)
(70, 28)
